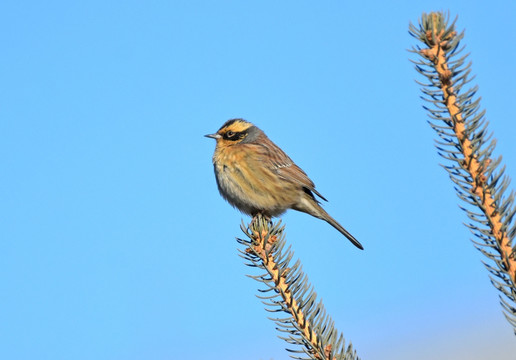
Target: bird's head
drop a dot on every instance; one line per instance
(235, 131)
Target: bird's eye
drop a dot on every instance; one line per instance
(230, 134)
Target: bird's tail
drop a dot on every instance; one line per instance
(343, 231)
(310, 206)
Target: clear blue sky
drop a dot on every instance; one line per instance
(115, 243)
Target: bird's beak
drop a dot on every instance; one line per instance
(213, 136)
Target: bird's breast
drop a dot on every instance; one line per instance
(246, 182)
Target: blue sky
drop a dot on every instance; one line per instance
(115, 243)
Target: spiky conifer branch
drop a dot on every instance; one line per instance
(288, 291)
(465, 142)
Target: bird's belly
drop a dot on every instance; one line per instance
(252, 191)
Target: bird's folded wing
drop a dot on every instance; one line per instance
(277, 161)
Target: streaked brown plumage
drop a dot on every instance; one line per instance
(254, 175)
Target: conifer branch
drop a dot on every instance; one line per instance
(465, 142)
(288, 291)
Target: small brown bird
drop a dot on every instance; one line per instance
(255, 176)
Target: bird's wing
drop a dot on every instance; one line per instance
(280, 163)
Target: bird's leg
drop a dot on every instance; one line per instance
(259, 214)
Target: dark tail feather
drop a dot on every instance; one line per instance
(344, 232)
(310, 206)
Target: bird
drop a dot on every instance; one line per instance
(255, 176)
